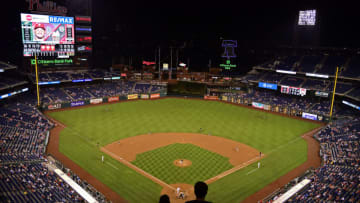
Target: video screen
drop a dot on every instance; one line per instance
(307, 17)
(44, 29)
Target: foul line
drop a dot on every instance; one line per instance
(112, 165)
(250, 172)
(233, 170)
(139, 170)
(243, 165)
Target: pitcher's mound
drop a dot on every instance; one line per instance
(182, 163)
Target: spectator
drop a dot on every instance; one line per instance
(164, 199)
(200, 189)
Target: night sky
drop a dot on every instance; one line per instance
(136, 28)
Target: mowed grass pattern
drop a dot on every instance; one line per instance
(159, 163)
(274, 135)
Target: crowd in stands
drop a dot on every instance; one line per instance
(69, 76)
(24, 175)
(300, 104)
(119, 88)
(338, 180)
(34, 182)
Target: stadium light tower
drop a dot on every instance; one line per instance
(307, 28)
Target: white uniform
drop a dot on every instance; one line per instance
(177, 192)
(258, 164)
(102, 158)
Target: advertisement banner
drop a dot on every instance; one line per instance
(77, 103)
(268, 85)
(54, 106)
(211, 97)
(153, 96)
(321, 94)
(145, 96)
(309, 116)
(113, 99)
(96, 101)
(133, 96)
(224, 98)
(258, 105)
(293, 90)
(267, 107)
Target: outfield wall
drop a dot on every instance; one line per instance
(268, 107)
(103, 100)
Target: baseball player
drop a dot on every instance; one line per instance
(102, 158)
(39, 31)
(177, 192)
(258, 164)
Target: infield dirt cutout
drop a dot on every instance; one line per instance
(125, 151)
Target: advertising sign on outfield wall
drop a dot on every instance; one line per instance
(96, 101)
(211, 97)
(133, 96)
(113, 99)
(54, 106)
(145, 96)
(267, 107)
(224, 98)
(258, 105)
(309, 116)
(153, 96)
(77, 103)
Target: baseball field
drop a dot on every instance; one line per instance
(151, 147)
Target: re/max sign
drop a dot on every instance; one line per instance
(54, 61)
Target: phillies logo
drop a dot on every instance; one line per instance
(46, 6)
(28, 17)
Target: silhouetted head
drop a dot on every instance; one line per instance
(200, 190)
(164, 199)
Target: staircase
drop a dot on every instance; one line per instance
(68, 94)
(321, 64)
(297, 64)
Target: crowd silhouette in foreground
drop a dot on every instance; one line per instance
(200, 190)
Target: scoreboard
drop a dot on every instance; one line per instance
(293, 90)
(45, 35)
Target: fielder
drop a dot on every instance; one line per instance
(177, 192)
(258, 164)
(102, 158)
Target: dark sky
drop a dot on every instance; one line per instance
(138, 27)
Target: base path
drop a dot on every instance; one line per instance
(128, 148)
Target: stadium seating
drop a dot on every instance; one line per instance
(329, 66)
(292, 81)
(271, 77)
(355, 93)
(352, 70)
(308, 63)
(141, 88)
(78, 93)
(286, 63)
(316, 84)
(34, 182)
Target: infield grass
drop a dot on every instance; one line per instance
(274, 135)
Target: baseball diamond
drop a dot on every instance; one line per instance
(141, 139)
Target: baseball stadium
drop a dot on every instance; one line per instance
(95, 108)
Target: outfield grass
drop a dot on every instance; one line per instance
(271, 134)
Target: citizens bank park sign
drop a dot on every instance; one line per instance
(38, 6)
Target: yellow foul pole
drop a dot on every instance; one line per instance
(37, 82)
(333, 96)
